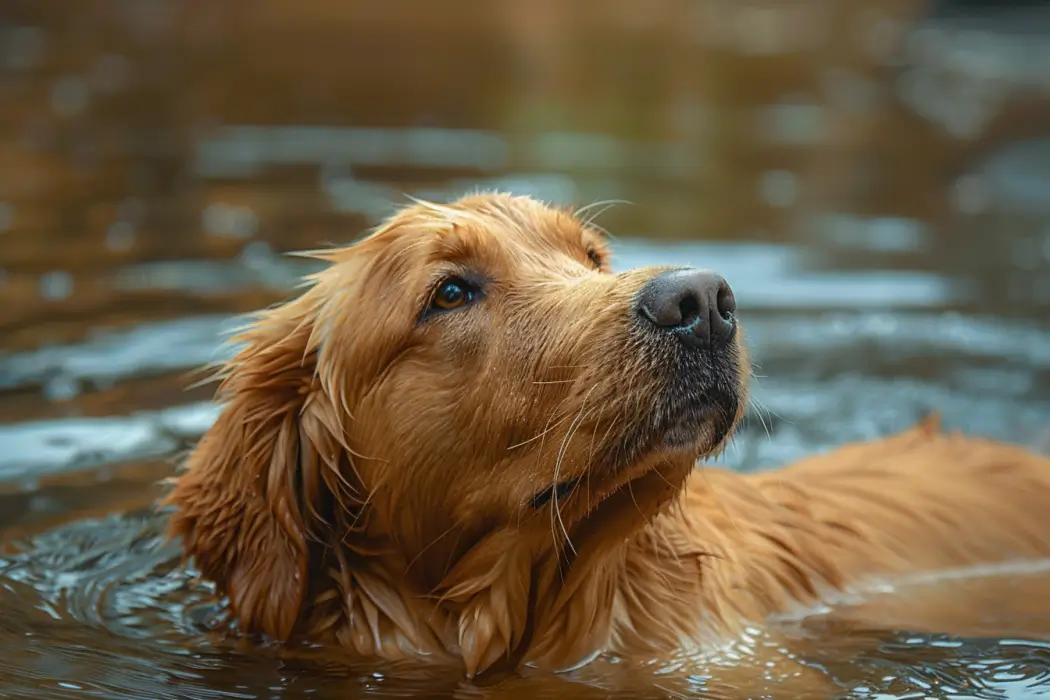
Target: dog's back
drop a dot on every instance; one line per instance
(905, 512)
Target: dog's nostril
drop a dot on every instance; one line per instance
(688, 310)
(696, 305)
(725, 302)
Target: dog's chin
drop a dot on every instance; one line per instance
(650, 473)
(687, 422)
(681, 432)
(701, 437)
(695, 420)
(695, 423)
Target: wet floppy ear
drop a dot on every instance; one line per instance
(260, 487)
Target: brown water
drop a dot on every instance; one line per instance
(877, 191)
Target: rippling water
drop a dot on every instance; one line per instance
(876, 191)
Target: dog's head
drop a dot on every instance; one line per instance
(470, 388)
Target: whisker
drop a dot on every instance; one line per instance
(540, 435)
(555, 508)
(573, 428)
(605, 205)
(758, 408)
(588, 217)
(548, 427)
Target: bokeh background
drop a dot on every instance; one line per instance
(872, 176)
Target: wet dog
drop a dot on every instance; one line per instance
(469, 442)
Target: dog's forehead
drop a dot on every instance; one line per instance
(497, 232)
(542, 229)
(491, 225)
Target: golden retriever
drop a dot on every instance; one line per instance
(469, 442)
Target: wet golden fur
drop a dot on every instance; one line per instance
(370, 483)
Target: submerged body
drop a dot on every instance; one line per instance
(470, 443)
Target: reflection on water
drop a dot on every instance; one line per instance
(874, 186)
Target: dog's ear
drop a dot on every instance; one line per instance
(266, 482)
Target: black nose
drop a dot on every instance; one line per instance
(696, 305)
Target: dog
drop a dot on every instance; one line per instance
(469, 442)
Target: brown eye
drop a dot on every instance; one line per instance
(452, 294)
(595, 258)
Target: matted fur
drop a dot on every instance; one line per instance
(370, 482)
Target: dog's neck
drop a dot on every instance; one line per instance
(515, 597)
(516, 601)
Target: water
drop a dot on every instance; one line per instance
(875, 189)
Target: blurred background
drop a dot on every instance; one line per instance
(873, 177)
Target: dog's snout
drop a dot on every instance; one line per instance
(697, 305)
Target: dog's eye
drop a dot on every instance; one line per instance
(453, 293)
(595, 258)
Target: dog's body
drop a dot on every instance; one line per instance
(470, 443)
